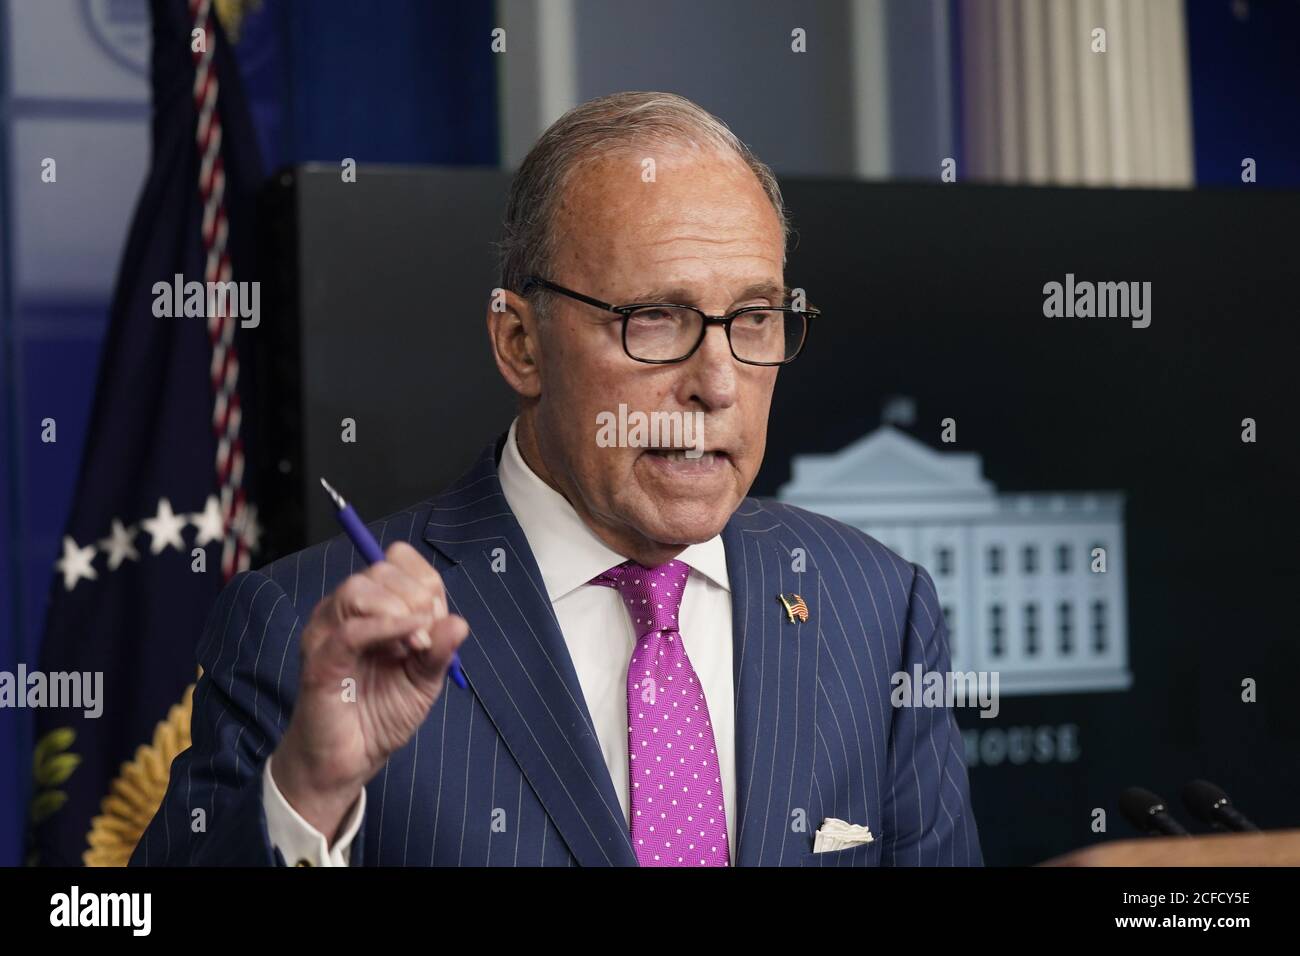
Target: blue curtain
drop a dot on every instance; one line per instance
(404, 81)
(1245, 91)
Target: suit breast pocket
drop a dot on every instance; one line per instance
(864, 854)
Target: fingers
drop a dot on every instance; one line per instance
(418, 576)
(361, 634)
(418, 596)
(446, 635)
(413, 563)
(361, 595)
(400, 598)
(402, 583)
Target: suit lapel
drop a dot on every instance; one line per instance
(518, 665)
(775, 679)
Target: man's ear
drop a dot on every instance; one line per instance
(513, 332)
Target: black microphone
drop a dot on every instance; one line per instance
(1209, 804)
(1147, 812)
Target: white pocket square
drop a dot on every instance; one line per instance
(839, 835)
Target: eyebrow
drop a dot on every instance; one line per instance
(681, 295)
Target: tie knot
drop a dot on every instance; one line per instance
(652, 595)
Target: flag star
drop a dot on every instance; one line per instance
(76, 563)
(208, 522)
(165, 528)
(119, 545)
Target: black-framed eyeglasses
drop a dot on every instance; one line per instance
(661, 333)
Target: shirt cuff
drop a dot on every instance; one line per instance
(298, 841)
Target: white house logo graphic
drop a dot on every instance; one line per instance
(1013, 571)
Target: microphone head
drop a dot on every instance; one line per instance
(1203, 798)
(1139, 806)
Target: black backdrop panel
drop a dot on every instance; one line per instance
(381, 287)
(936, 293)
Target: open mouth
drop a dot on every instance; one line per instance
(688, 454)
(678, 463)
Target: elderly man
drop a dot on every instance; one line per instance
(661, 671)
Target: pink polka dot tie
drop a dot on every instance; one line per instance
(675, 784)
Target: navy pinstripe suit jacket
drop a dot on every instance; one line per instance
(509, 772)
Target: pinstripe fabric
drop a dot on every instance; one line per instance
(510, 773)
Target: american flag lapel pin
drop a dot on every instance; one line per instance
(795, 609)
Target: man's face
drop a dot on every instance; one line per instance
(703, 234)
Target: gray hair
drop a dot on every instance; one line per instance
(583, 134)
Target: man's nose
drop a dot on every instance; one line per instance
(711, 371)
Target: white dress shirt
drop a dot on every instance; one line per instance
(598, 632)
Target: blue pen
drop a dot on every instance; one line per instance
(370, 550)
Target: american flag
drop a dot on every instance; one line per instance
(796, 609)
(167, 473)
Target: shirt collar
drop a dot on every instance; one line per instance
(568, 553)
